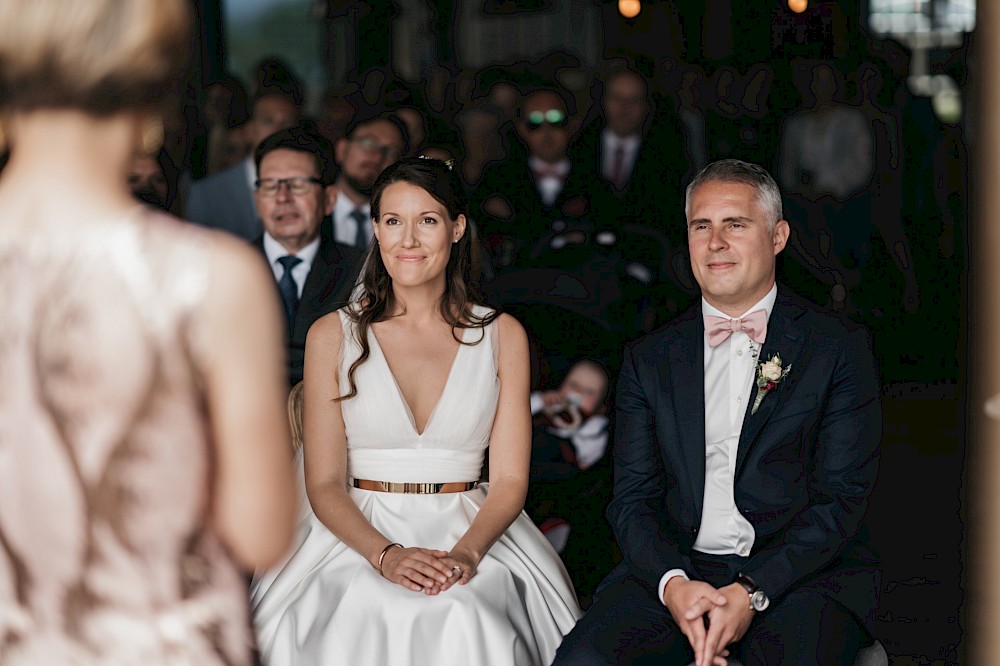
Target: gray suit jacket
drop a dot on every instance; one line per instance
(224, 201)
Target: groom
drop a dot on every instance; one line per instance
(746, 448)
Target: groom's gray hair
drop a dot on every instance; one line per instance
(737, 171)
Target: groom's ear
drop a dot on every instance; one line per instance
(780, 235)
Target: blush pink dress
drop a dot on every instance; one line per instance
(106, 553)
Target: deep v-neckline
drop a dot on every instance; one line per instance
(399, 391)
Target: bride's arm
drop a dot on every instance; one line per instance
(510, 452)
(325, 451)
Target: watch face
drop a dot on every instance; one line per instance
(759, 600)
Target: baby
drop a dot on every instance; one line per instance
(575, 413)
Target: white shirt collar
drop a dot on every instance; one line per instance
(344, 227)
(611, 141)
(274, 250)
(561, 167)
(766, 303)
(345, 207)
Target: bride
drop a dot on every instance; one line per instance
(404, 557)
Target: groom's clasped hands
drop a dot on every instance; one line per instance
(710, 618)
(426, 570)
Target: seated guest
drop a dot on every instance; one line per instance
(295, 192)
(153, 179)
(225, 112)
(520, 203)
(371, 144)
(225, 199)
(746, 449)
(629, 151)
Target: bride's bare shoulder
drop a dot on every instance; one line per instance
(327, 330)
(510, 332)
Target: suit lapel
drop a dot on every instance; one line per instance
(686, 383)
(785, 337)
(326, 288)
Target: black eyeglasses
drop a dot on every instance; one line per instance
(297, 185)
(371, 145)
(552, 117)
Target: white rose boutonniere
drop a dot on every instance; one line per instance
(769, 375)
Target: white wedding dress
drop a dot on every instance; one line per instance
(327, 605)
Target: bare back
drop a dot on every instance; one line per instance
(103, 435)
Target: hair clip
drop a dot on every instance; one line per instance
(450, 163)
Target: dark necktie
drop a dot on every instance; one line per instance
(618, 168)
(360, 238)
(288, 288)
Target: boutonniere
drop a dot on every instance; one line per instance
(769, 375)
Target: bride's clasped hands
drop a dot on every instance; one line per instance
(425, 570)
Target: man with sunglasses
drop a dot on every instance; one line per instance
(372, 143)
(294, 193)
(520, 203)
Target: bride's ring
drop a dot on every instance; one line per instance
(457, 569)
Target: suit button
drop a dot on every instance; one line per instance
(694, 531)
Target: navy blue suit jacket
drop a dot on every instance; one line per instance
(328, 287)
(806, 461)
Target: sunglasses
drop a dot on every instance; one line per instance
(552, 117)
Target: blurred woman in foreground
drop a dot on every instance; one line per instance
(143, 448)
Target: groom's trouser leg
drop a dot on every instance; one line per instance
(625, 625)
(806, 627)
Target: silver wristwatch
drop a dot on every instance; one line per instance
(758, 600)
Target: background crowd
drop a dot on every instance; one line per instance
(576, 185)
(577, 190)
(592, 194)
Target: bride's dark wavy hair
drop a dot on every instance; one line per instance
(375, 300)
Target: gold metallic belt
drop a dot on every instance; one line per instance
(416, 488)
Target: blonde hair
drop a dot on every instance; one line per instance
(100, 56)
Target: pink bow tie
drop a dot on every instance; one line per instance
(718, 329)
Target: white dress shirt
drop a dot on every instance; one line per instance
(549, 187)
(729, 383)
(345, 227)
(273, 250)
(609, 144)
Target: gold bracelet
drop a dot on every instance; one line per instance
(384, 551)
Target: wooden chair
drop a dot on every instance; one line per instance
(295, 416)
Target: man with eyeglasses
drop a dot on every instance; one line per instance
(371, 144)
(521, 203)
(225, 199)
(294, 194)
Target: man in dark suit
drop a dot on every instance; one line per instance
(746, 449)
(633, 155)
(371, 144)
(225, 200)
(294, 192)
(519, 203)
